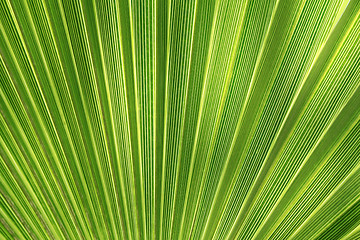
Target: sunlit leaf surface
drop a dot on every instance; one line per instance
(180, 119)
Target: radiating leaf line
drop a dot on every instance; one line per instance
(38, 115)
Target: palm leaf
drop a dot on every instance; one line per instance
(234, 119)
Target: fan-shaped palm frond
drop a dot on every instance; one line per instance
(180, 119)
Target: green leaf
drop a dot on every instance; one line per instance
(179, 119)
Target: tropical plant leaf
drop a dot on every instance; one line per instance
(180, 119)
